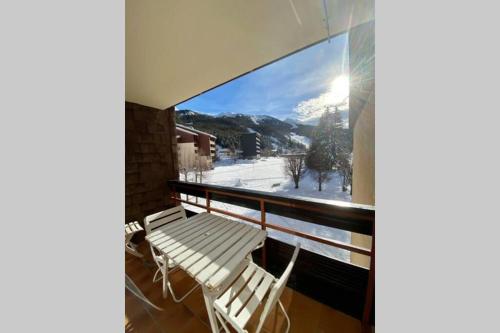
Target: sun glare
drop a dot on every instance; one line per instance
(339, 89)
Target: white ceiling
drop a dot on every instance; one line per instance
(177, 49)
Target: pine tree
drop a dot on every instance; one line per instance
(321, 154)
(343, 150)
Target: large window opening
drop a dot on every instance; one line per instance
(283, 129)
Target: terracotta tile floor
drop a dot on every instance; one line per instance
(306, 314)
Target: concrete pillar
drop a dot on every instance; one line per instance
(363, 177)
(362, 122)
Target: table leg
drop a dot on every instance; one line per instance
(165, 277)
(209, 302)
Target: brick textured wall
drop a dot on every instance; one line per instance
(150, 159)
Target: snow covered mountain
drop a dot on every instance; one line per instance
(228, 127)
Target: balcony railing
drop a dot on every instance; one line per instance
(340, 215)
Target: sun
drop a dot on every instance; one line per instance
(339, 89)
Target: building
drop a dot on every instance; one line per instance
(187, 148)
(195, 148)
(250, 145)
(206, 142)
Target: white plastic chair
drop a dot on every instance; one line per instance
(130, 230)
(151, 223)
(238, 303)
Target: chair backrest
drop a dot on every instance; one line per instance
(278, 288)
(156, 220)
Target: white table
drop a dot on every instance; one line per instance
(211, 249)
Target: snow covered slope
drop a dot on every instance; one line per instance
(268, 175)
(300, 139)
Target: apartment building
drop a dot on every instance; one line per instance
(195, 148)
(250, 145)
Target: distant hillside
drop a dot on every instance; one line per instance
(228, 127)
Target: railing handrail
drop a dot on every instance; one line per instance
(270, 196)
(340, 215)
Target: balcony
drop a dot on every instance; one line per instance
(322, 295)
(340, 286)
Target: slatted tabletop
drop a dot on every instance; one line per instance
(208, 247)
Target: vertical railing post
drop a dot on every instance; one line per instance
(370, 289)
(176, 195)
(207, 200)
(263, 227)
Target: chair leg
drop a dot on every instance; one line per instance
(286, 316)
(164, 271)
(176, 300)
(154, 277)
(160, 266)
(168, 287)
(132, 249)
(223, 323)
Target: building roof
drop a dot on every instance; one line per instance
(175, 50)
(251, 134)
(194, 131)
(180, 129)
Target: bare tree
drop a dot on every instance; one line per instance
(186, 159)
(186, 165)
(234, 154)
(185, 172)
(201, 166)
(295, 167)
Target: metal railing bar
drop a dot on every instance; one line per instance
(322, 240)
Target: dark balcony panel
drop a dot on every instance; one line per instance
(236, 201)
(189, 190)
(346, 216)
(337, 284)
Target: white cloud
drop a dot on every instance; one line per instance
(310, 110)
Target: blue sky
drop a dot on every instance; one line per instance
(295, 87)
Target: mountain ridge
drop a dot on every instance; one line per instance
(228, 127)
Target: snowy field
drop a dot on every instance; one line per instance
(267, 174)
